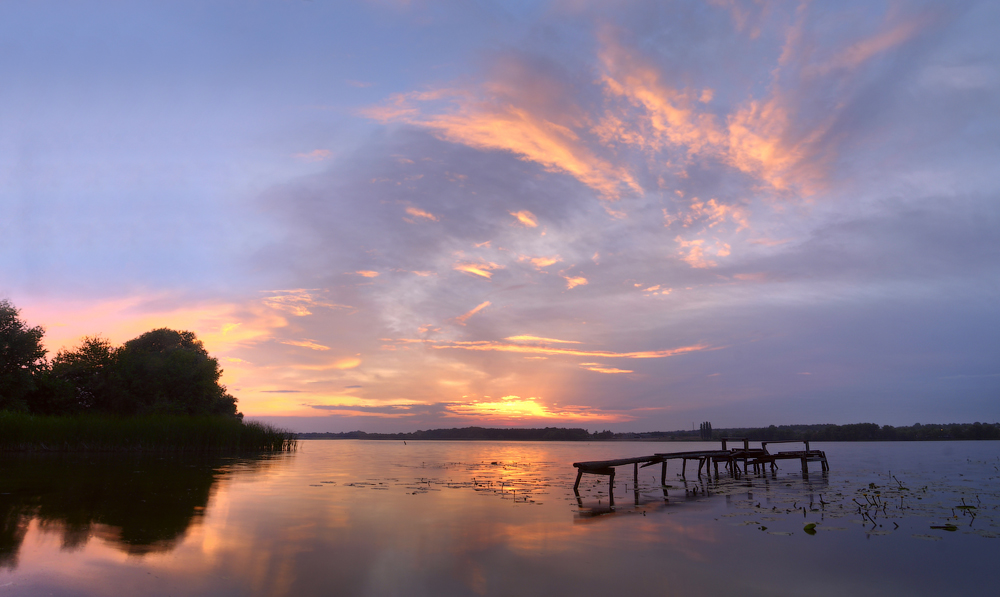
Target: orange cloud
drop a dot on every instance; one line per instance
(367, 273)
(486, 345)
(419, 213)
(298, 301)
(716, 213)
(525, 338)
(573, 282)
(526, 217)
(482, 269)
(671, 117)
(597, 367)
(306, 344)
(693, 252)
(541, 262)
(462, 318)
(503, 117)
(763, 136)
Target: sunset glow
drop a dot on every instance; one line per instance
(656, 213)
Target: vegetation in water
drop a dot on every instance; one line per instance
(177, 433)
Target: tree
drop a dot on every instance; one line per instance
(90, 370)
(22, 358)
(169, 371)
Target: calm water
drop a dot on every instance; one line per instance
(491, 518)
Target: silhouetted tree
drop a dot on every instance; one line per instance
(89, 370)
(161, 371)
(22, 358)
(168, 371)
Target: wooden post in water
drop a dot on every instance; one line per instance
(611, 489)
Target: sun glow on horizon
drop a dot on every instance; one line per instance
(515, 408)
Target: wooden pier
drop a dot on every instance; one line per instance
(731, 458)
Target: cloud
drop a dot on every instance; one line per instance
(483, 269)
(512, 114)
(526, 217)
(865, 49)
(601, 369)
(696, 255)
(461, 319)
(306, 344)
(316, 155)
(367, 273)
(756, 195)
(525, 338)
(419, 213)
(541, 262)
(298, 301)
(486, 345)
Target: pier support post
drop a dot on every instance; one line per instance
(611, 488)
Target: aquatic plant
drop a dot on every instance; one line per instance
(163, 433)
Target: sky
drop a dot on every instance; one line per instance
(631, 215)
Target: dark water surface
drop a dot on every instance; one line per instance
(499, 518)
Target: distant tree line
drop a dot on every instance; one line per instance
(854, 432)
(467, 433)
(830, 433)
(163, 371)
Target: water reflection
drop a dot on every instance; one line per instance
(466, 518)
(138, 504)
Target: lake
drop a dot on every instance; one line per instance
(499, 518)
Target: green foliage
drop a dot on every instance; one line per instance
(22, 358)
(162, 371)
(88, 370)
(166, 371)
(166, 433)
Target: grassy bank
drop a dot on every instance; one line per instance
(155, 433)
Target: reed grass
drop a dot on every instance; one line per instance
(21, 432)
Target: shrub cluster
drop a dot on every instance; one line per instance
(163, 371)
